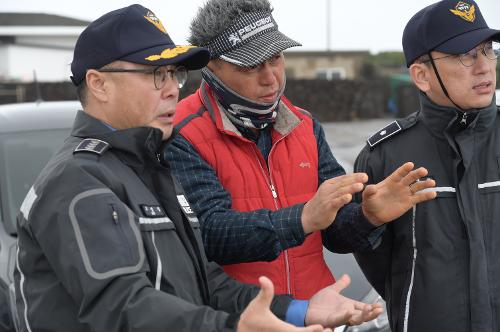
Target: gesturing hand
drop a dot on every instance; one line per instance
(320, 211)
(396, 194)
(329, 308)
(257, 317)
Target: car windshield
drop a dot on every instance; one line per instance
(22, 157)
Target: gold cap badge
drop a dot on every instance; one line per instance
(155, 21)
(465, 11)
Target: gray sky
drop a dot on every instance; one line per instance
(355, 24)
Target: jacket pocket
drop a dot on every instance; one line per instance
(108, 238)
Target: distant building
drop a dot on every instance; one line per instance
(41, 43)
(325, 64)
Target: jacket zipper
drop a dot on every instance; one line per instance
(116, 220)
(414, 259)
(269, 180)
(159, 266)
(275, 195)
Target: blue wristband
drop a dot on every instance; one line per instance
(296, 312)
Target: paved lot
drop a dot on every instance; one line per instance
(346, 139)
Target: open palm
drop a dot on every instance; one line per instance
(396, 194)
(329, 308)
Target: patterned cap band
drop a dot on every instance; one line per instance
(248, 27)
(250, 40)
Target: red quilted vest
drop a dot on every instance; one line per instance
(290, 177)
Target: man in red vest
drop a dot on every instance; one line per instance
(258, 170)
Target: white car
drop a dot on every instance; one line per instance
(497, 92)
(30, 133)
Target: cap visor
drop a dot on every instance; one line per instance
(259, 49)
(191, 57)
(467, 41)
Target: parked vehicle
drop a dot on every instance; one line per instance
(30, 133)
(497, 93)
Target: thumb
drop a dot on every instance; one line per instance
(266, 293)
(370, 190)
(341, 283)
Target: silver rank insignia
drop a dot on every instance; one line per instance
(384, 133)
(93, 145)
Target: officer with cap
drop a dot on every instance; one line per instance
(437, 266)
(107, 240)
(259, 170)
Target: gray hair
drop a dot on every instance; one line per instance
(217, 15)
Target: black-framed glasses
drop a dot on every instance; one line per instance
(160, 74)
(490, 50)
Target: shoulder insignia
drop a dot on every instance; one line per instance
(93, 145)
(384, 133)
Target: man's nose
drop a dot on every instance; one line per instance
(267, 76)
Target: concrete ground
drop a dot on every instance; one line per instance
(346, 139)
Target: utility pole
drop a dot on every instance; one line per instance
(328, 23)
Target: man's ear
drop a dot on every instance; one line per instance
(420, 74)
(97, 85)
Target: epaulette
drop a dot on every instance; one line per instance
(391, 129)
(93, 145)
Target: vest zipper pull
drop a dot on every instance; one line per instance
(273, 191)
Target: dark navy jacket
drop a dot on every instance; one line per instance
(108, 242)
(438, 265)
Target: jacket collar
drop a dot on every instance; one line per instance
(136, 145)
(441, 119)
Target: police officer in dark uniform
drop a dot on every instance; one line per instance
(437, 266)
(107, 240)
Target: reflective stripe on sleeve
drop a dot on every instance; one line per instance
(488, 184)
(154, 221)
(28, 203)
(23, 296)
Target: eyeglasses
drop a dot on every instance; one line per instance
(490, 49)
(160, 74)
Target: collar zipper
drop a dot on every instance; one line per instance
(463, 121)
